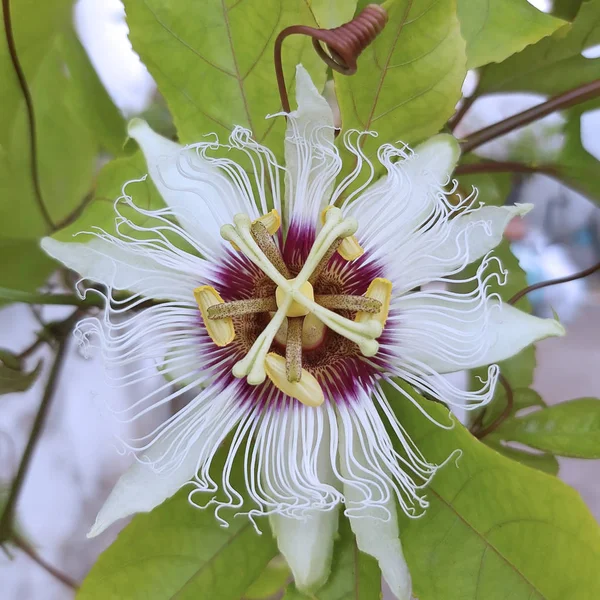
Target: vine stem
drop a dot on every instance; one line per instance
(12, 50)
(571, 98)
(510, 398)
(7, 519)
(57, 299)
(492, 166)
(24, 546)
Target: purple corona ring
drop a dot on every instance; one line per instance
(280, 302)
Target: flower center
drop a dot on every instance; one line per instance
(296, 310)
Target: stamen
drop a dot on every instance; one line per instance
(221, 332)
(293, 349)
(272, 221)
(238, 308)
(325, 260)
(347, 302)
(335, 227)
(241, 235)
(349, 248)
(267, 244)
(307, 390)
(363, 334)
(379, 289)
(252, 365)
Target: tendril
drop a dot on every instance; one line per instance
(543, 284)
(344, 44)
(482, 432)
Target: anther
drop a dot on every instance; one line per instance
(242, 307)
(293, 349)
(267, 244)
(350, 303)
(324, 261)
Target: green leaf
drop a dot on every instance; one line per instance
(354, 575)
(213, 61)
(495, 30)
(494, 528)
(332, 13)
(181, 551)
(542, 461)
(553, 65)
(270, 581)
(493, 188)
(566, 9)
(100, 212)
(24, 265)
(409, 79)
(568, 429)
(66, 149)
(12, 376)
(93, 102)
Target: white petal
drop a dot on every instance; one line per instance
(381, 539)
(371, 509)
(140, 488)
(311, 159)
(122, 268)
(307, 545)
(199, 194)
(450, 333)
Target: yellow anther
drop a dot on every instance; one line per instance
(307, 390)
(296, 309)
(272, 221)
(349, 249)
(380, 289)
(221, 331)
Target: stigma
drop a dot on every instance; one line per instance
(298, 316)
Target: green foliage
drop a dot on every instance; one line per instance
(181, 551)
(12, 376)
(93, 102)
(568, 429)
(100, 212)
(354, 575)
(409, 80)
(494, 529)
(73, 118)
(554, 64)
(495, 30)
(24, 265)
(270, 581)
(213, 61)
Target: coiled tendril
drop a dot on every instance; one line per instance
(344, 43)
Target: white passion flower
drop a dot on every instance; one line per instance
(283, 316)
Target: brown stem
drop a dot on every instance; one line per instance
(12, 50)
(568, 99)
(505, 413)
(457, 117)
(20, 543)
(543, 284)
(62, 331)
(491, 166)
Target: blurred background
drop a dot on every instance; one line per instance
(77, 460)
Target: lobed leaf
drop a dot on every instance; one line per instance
(213, 61)
(570, 428)
(494, 528)
(409, 79)
(496, 30)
